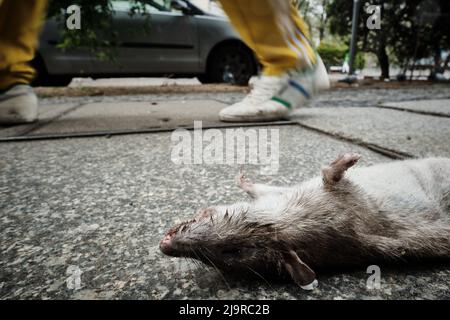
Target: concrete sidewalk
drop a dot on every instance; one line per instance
(91, 187)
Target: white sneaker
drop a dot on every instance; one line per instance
(18, 105)
(273, 98)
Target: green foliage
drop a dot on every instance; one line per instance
(97, 32)
(360, 60)
(410, 29)
(423, 33)
(333, 54)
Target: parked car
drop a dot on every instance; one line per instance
(183, 41)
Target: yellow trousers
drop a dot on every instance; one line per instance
(274, 30)
(20, 24)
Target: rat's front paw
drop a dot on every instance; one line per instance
(242, 181)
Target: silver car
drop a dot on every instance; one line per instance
(183, 41)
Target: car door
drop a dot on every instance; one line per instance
(167, 44)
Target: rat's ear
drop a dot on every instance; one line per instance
(299, 271)
(333, 173)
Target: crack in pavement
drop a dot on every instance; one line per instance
(40, 124)
(422, 112)
(109, 133)
(387, 152)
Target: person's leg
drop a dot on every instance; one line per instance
(20, 24)
(280, 40)
(275, 32)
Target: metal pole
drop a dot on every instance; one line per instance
(355, 19)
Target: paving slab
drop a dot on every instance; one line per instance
(414, 134)
(46, 113)
(102, 205)
(103, 116)
(433, 107)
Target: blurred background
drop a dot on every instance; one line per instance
(193, 40)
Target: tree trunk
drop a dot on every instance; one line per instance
(383, 60)
(323, 20)
(321, 33)
(437, 59)
(447, 61)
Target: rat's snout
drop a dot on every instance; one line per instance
(174, 244)
(166, 244)
(180, 240)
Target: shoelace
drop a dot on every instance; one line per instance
(262, 90)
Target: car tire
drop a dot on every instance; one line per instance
(43, 78)
(230, 63)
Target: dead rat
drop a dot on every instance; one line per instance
(398, 211)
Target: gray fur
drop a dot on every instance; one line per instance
(398, 211)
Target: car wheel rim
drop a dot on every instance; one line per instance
(234, 68)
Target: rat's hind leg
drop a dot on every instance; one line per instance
(257, 190)
(334, 172)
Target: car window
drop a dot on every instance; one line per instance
(163, 5)
(160, 5)
(152, 6)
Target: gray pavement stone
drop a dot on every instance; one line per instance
(350, 97)
(102, 205)
(371, 97)
(135, 115)
(415, 134)
(46, 113)
(435, 107)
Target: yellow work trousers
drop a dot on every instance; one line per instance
(20, 24)
(274, 30)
